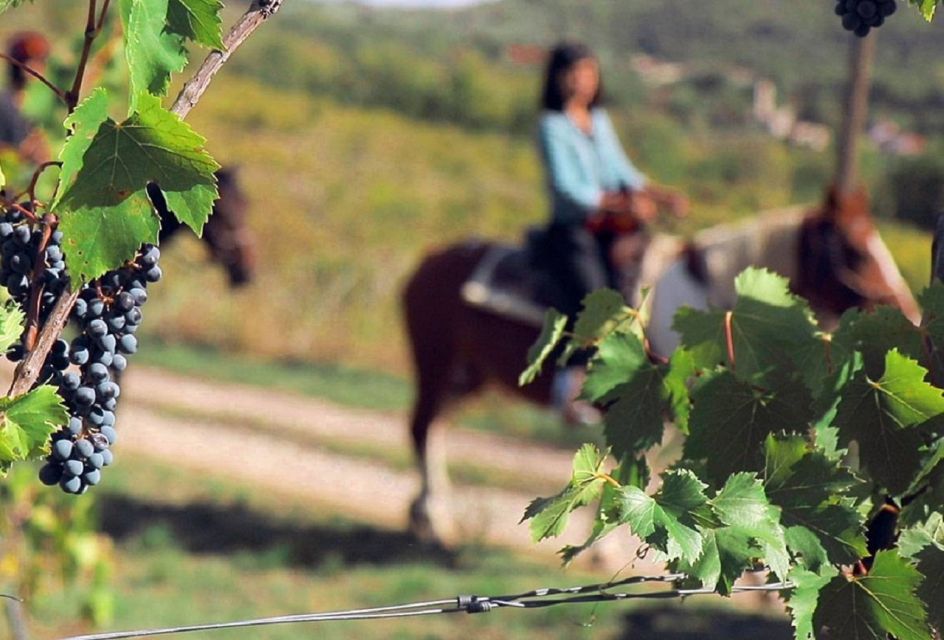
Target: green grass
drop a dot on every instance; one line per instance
(270, 554)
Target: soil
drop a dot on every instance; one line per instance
(324, 453)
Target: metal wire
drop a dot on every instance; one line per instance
(534, 599)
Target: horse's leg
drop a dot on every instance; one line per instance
(429, 515)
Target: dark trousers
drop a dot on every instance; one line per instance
(578, 260)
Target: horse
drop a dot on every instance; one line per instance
(226, 233)
(832, 256)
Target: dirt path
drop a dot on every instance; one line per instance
(350, 460)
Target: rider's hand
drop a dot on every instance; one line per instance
(642, 206)
(678, 205)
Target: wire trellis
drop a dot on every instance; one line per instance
(535, 599)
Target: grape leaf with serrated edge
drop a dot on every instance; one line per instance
(106, 213)
(604, 310)
(875, 333)
(932, 322)
(730, 420)
(801, 482)
(549, 515)
(883, 415)
(11, 325)
(931, 591)
(152, 53)
(802, 599)
(633, 473)
(10, 4)
(666, 520)
(926, 7)
(27, 421)
(635, 422)
(617, 359)
(197, 20)
(83, 125)
(551, 332)
(770, 327)
(869, 607)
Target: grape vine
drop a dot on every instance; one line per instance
(817, 455)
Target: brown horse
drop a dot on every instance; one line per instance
(226, 233)
(833, 257)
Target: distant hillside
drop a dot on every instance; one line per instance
(798, 43)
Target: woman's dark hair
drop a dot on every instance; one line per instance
(564, 56)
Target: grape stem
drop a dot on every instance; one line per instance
(257, 13)
(27, 372)
(34, 306)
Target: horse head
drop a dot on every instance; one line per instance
(844, 263)
(227, 233)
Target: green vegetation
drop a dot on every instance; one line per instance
(260, 554)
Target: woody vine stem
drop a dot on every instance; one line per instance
(258, 12)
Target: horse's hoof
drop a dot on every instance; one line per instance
(423, 526)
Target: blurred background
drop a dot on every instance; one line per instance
(366, 134)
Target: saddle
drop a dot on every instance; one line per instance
(511, 281)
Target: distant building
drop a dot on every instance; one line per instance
(888, 137)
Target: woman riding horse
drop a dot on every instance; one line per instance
(593, 188)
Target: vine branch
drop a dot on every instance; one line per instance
(36, 74)
(257, 13)
(27, 372)
(91, 31)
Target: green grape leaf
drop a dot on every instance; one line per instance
(83, 126)
(770, 327)
(197, 20)
(617, 359)
(873, 334)
(3, 178)
(726, 553)
(666, 520)
(881, 602)
(630, 472)
(12, 320)
(804, 543)
(549, 516)
(604, 312)
(9, 4)
(931, 591)
(882, 416)
(803, 597)
(919, 535)
(741, 501)
(108, 200)
(804, 485)
(551, 333)
(27, 422)
(681, 370)
(932, 322)
(926, 7)
(730, 420)
(635, 422)
(702, 335)
(152, 52)
(97, 239)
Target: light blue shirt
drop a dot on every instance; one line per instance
(581, 166)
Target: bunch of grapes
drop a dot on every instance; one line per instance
(859, 16)
(108, 314)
